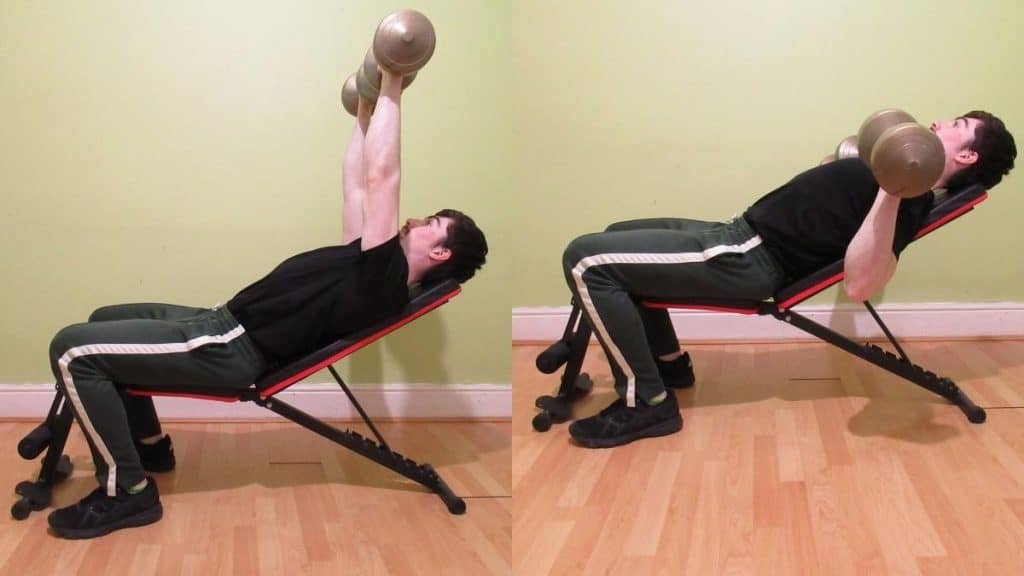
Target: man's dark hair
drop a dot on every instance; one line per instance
(996, 153)
(468, 247)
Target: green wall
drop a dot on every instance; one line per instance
(176, 151)
(696, 109)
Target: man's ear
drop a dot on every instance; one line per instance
(440, 254)
(967, 156)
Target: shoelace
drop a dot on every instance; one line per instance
(96, 500)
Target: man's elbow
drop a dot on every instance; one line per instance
(857, 291)
(381, 177)
(861, 286)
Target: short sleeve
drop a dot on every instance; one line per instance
(384, 264)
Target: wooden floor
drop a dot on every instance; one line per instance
(793, 459)
(277, 499)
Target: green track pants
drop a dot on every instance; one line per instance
(663, 258)
(140, 346)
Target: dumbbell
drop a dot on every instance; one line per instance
(365, 83)
(350, 96)
(354, 87)
(905, 157)
(371, 71)
(847, 148)
(363, 86)
(403, 43)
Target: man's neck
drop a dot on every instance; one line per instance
(414, 265)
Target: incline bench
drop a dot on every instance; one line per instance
(572, 347)
(52, 434)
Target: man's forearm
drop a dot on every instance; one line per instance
(869, 261)
(381, 164)
(354, 176)
(382, 147)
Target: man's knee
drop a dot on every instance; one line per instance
(100, 314)
(103, 314)
(618, 226)
(66, 339)
(577, 250)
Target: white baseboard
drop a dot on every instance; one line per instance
(924, 321)
(324, 401)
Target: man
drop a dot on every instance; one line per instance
(833, 211)
(306, 302)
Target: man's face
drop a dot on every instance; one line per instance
(957, 134)
(424, 234)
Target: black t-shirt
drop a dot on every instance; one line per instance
(807, 223)
(319, 296)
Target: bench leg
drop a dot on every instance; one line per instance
(424, 474)
(900, 366)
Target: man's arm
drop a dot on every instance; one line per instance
(382, 166)
(353, 177)
(869, 261)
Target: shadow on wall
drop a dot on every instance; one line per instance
(418, 354)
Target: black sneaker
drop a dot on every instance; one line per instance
(618, 424)
(98, 514)
(157, 457)
(677, 373)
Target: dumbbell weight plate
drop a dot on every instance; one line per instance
(847, 148)
(350, 96)
(907, 160)
(404, 41)
(363, 86)
(872, 128)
